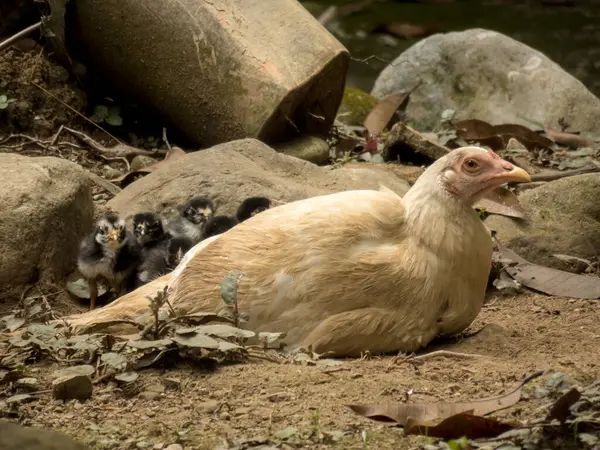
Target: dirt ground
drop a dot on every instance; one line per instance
(258, 400)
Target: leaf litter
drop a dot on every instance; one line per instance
(444, 419)
(163, 337)
(545, 279)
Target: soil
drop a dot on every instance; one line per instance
(256, 400)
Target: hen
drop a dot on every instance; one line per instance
(352, 271)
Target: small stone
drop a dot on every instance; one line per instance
(28, 383)
(142, 444)
(174, 447)
(156, 387)
(308, 148)
(110, 173)
(279, 397)
(209, 406)
(19, 399)
(77, 387)
(85, 370)
(540, 392)
(242, 411)
(286, 433)
(141, 161)
(149, 395)
(172, 384)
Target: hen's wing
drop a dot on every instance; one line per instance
(300, 259)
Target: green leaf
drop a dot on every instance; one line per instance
(3, 105)
(115, 121)
(229, 287)
(3, 99)
(101, 112)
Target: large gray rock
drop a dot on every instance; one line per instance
(486, 75)
(231, 172)
(45, 209)
(565, 219)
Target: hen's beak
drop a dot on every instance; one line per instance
(513, 174)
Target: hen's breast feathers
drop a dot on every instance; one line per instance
(303, 253)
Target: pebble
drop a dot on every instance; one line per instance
(77, 387)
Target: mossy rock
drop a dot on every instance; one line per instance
(356, 106)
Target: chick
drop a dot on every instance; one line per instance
(218, 225)
(251, 207)
(148, 230)
(193, 216)
(162, 258)
(110, 252)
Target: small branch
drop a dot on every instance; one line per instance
(164, 136)
(418, 360)
(118, 151)
(74, 110)
(566, 173)
(105, 184)
(6, 43)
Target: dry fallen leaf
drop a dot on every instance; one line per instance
(401, 412)
(171, 156)
(560, 409)
(497, 137)
(385, 113)
(458, 425)
(569, 139)
(547, 280)
(503, 202)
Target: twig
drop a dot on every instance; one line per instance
(120, 150)
(566, 173)
(74, 110)
(19, 35)
(328, 15)
(164, 136)
(105, 184)
(413, 359)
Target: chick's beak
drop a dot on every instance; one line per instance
(113, 235)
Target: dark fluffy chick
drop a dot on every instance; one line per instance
(148, 229)
(193, 216)
(218, 225)
(251, 207)
(163, 258)
(110, 252)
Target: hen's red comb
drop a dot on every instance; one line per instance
(493, 155)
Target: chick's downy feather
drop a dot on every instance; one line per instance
(356, 270)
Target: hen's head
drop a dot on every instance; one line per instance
(467, 173)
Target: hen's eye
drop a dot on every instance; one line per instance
(470, 164)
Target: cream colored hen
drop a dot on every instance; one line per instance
(352, 271)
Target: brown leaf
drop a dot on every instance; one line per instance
(400, 412)
(503, 202)
(547, 280)
(560, 409)
(473, 129)
(569, 139)
(530, 139)
(497, 136)
(382, 116)
(171, 155)
(462, 424)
